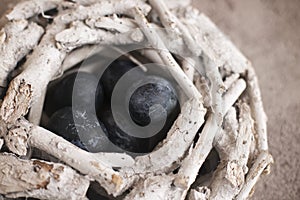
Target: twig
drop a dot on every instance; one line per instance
(89, 164)
(202, 85)
(263, 160)
(258, 112)
(80, 34)
(39, 69)
(200, 193)
(1, 143)
(233, 93)
(165, 55)
(152, 55)
(105, 7)
(78, 55)
(180, 135)
(215, 45)
(174, 26)
(234, 151)
(113, 23)
(192, 163)
(29, 8)
(217, 89)
(188, 66)
(230, 80)
(40, 179)
(13, 47)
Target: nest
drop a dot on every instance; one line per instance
(223, 101)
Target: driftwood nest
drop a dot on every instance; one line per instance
(223, 99)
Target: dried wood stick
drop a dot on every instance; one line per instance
(113, 23)
(233, 93)
(152, 55)
(110, 180)
(40, 179)
(80, 34)
(153, 187)
(1, 143)
(217, 89)
(161, 185)
(258, 112)
(78, 55)
(229, 176)
(262, 161)
(200, 193)
(156, 42)
(192, 163)
(86, 2)
(174, 26)
(16, 136)
(132, 58)
(188, 66)
(230, 80)
(35, 113)
(170, 3)
(215, 45)
(180, 135)
(89, 164)
(13, 47)
(105, 7)
(39, 69)
(202, 85)
(29, 8)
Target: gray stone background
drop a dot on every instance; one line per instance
(268, 33)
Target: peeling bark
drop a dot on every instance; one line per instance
(40, 179)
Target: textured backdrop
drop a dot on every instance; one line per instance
(268, 32)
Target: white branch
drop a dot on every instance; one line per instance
(157, 43)
(188, 66)
(234, 148)
(1, 143)
(262, 162)
(192, 163)
(40, 179)
(80, 34)
(174, 27)
(258, 112)
(178, 141)
(200, 193)
(13, 46)
(113, 23)
(77, 56)
(202, 85)
(39, 69)
(105, 7)
(90, 164)
(215, 45)
(217, 89)
(230, 80)
(29, 8)
(233, 93)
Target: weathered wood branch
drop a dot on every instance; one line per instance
(40, 179)
(13, 47)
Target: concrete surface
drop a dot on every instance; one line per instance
(268, 32)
